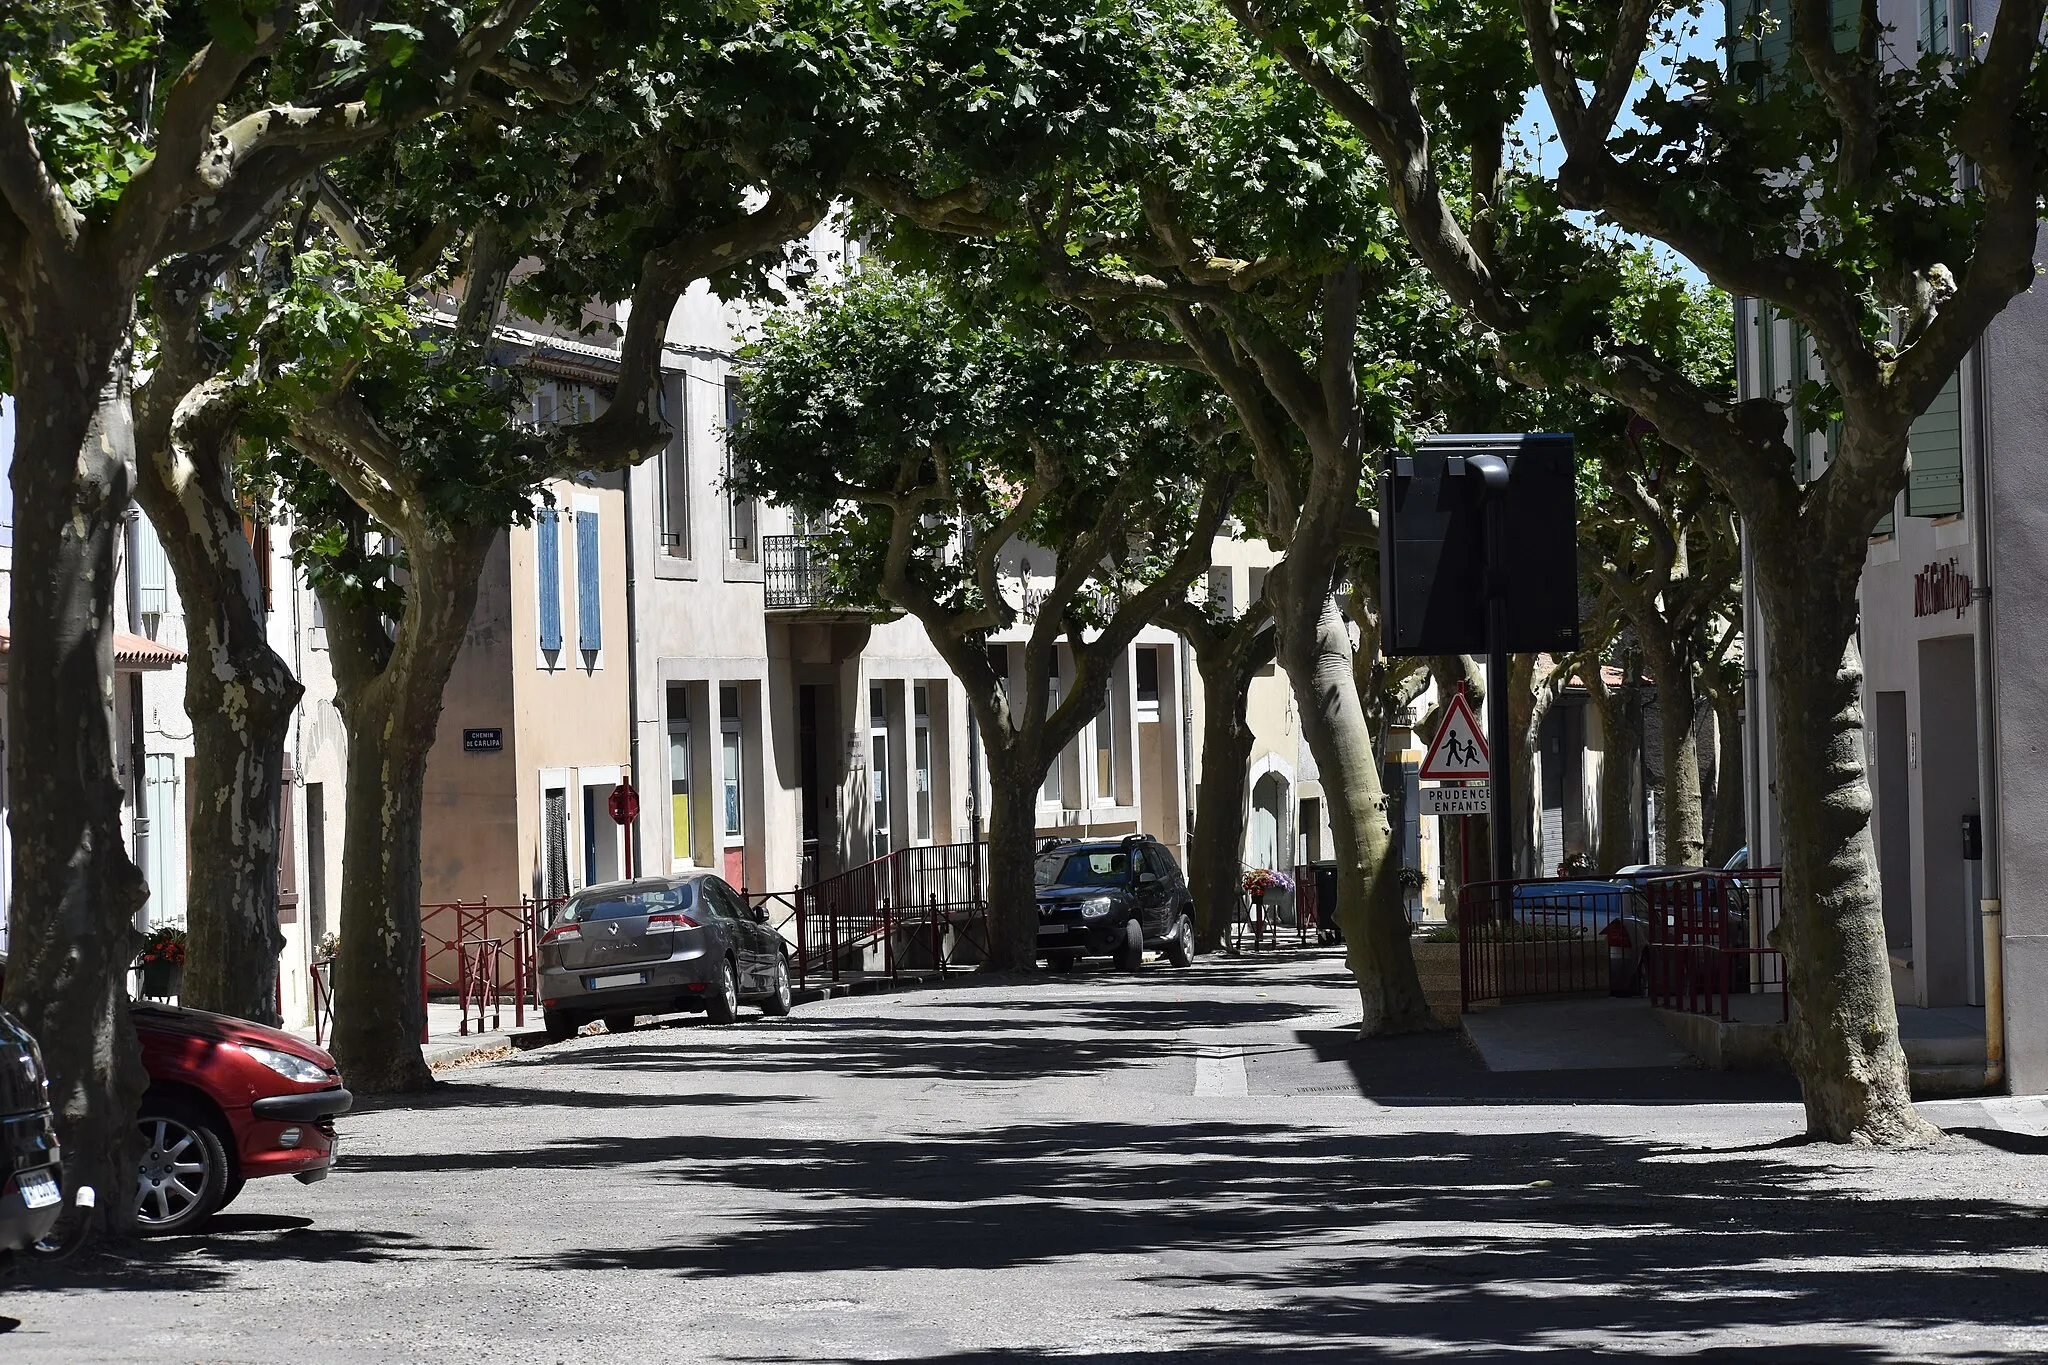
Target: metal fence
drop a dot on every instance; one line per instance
(1709, 941)
(1524, 940)
(787, 575)
(917, 909)
(484, 956)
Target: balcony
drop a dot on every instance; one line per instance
(797, 588)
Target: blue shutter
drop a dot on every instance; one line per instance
(589, 615)
(548, 538)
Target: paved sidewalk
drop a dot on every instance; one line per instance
(448, 1045)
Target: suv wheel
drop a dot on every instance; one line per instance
(1130, 954)
(560, 1026)
(620, 1023)
(183, 1175)
(1180, 949)
(724, 1004)
(777, 1002)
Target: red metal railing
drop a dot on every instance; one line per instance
(917, 909)
(481, 954)
(323, 999)
(1524, 940)
(1709, 941)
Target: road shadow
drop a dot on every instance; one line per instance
(214, 1256)
(1443, 1067)
(1315, 1244)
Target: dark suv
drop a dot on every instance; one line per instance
(1112, 896)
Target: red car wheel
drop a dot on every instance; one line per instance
(183, 1177)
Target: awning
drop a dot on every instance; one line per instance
(132, 653)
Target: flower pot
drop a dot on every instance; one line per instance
(160, 980)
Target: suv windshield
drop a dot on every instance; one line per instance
(623, 902)
(1101, 867)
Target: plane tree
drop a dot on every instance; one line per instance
(1887, 208)
(947, 451)
(1229, 651)
(1228, 229)
(128, 135)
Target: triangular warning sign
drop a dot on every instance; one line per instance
(1459, 749)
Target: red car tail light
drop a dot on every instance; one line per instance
(562, 933)
(669, 923)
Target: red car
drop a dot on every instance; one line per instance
(228, 1101)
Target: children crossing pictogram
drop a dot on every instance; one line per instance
(1459, 750)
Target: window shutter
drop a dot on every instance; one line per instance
(1935, 487)
(548, 540)
(152, 570)
(589, 613)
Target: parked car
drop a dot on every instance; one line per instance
(228, 1102)
(31, 1170)
(659, 945)
(1112, 896)
(1691, 903)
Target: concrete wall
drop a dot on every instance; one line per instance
(2016, 352)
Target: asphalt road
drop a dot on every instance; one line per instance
(1204, 1164)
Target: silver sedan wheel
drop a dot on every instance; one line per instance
(175, 1174)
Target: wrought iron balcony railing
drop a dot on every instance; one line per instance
(786, 569)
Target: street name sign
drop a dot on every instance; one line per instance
(1456, 801)
(1458, 753)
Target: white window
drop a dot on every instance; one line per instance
(1105, 752)
(682, 833)
(672, 471)
(1051, 792)
(743, 539)
(878, 763)
(923, 761)
(1221, 602)
(729, 729)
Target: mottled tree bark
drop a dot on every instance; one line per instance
(1844, 1041)
(1314, 647)
(1533, 679)
(389, 692)
(1729, 830)
(1012, 852)
(1620, 710)
(239, 694)
(1227, 655)
(76, 892)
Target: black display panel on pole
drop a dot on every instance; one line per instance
(1433, 547)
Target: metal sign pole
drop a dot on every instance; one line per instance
(1493, 471)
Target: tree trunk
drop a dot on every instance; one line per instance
(1314, 647)
(1012, 849)
(1729, 832)
(1844, 1036)
(391, 714)
(1215, 876)
(1681, 815)
(240, 697)
(1621, 758)
(76, 892)
(1528, 706)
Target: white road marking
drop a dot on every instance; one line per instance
(1222, 1073)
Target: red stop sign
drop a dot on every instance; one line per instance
(624, 804)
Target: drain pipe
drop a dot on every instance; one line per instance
(1987, 729)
